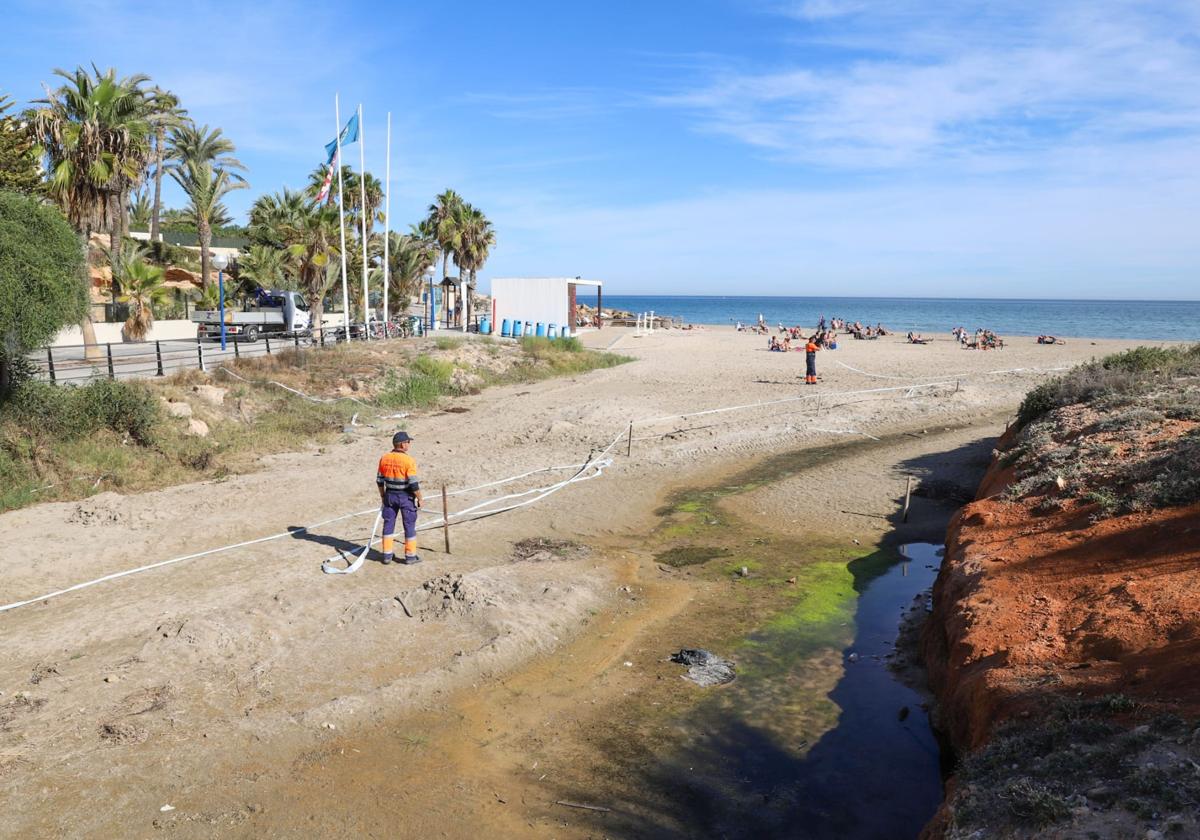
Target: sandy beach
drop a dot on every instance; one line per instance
(256, 696)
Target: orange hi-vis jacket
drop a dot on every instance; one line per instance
(398, 472)
(811, 347)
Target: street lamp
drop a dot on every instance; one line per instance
(221, 261)
(430, 272)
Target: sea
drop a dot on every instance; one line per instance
(1136, 319)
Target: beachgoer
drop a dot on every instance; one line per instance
(399, 493)
(810, 363)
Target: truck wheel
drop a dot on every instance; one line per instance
(251, 335)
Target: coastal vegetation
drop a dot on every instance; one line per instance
(1121, 434)
(70, 442)
(40, 292)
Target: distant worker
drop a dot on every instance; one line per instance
(810, 361)
(400, 493)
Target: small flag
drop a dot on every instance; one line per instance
(349, 135)
(323, 195)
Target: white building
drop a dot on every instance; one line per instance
(542, 300)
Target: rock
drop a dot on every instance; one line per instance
(852, 657)
(745, 571)
(166, 808)
(111, 678)
(210, 394)
(177, 409)
(198, 428)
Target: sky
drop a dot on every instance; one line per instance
(776, 147)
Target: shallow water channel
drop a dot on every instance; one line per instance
(817, 737)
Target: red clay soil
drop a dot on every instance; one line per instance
(1030, 605)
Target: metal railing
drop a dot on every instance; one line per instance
(71, 364)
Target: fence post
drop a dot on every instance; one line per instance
(296, 338)
(111, 374)
(629, 445)
(200, 352)
(50, 361)
(236, 353)
(158, 357)
(267, 339)
(907, 498)
(445, 519)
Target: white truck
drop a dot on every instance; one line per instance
(273, 312)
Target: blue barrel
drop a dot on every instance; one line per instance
(541, 330)
(505, 328)
(566, 331)
(552, 331)
(528, 328)
(485, 326)
(516, 330)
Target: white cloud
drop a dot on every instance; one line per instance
(906, 89)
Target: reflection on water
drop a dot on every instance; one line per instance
(817, 738)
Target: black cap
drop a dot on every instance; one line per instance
(400, 437)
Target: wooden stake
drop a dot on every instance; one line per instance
(629, 446)
(446, 518)
(907, 498)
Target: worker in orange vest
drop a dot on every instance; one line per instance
(810, 361)
(399, 493)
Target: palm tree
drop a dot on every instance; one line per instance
(409, 256)
(352, 194)
(440, 224)
(143, 291)
(205, 187)
(264, 266)
(476, 238)
(128, 252)
(20, 164)
(311, 236)
(93, 132)
(202, 145)
(270, 212)
(139, 209)
(165, 114)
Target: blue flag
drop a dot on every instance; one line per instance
(349, 135)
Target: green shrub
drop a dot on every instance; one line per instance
(540, 347)
(1113, 379)
(447, 343)
(69, 412)
(437, 369)
(1141, 359)
(413, 390)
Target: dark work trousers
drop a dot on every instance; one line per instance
(398, 501)
(810, 360)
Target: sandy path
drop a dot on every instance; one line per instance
(136, 690)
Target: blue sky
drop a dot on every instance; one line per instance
(961, 148)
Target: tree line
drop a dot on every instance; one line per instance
(97, 148)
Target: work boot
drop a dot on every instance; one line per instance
(411, 559)
(387, 560)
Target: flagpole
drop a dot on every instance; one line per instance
(337, 118)
(387, 219)
(362, 212)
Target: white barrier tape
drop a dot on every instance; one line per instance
(269, 538)
(227, 371)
